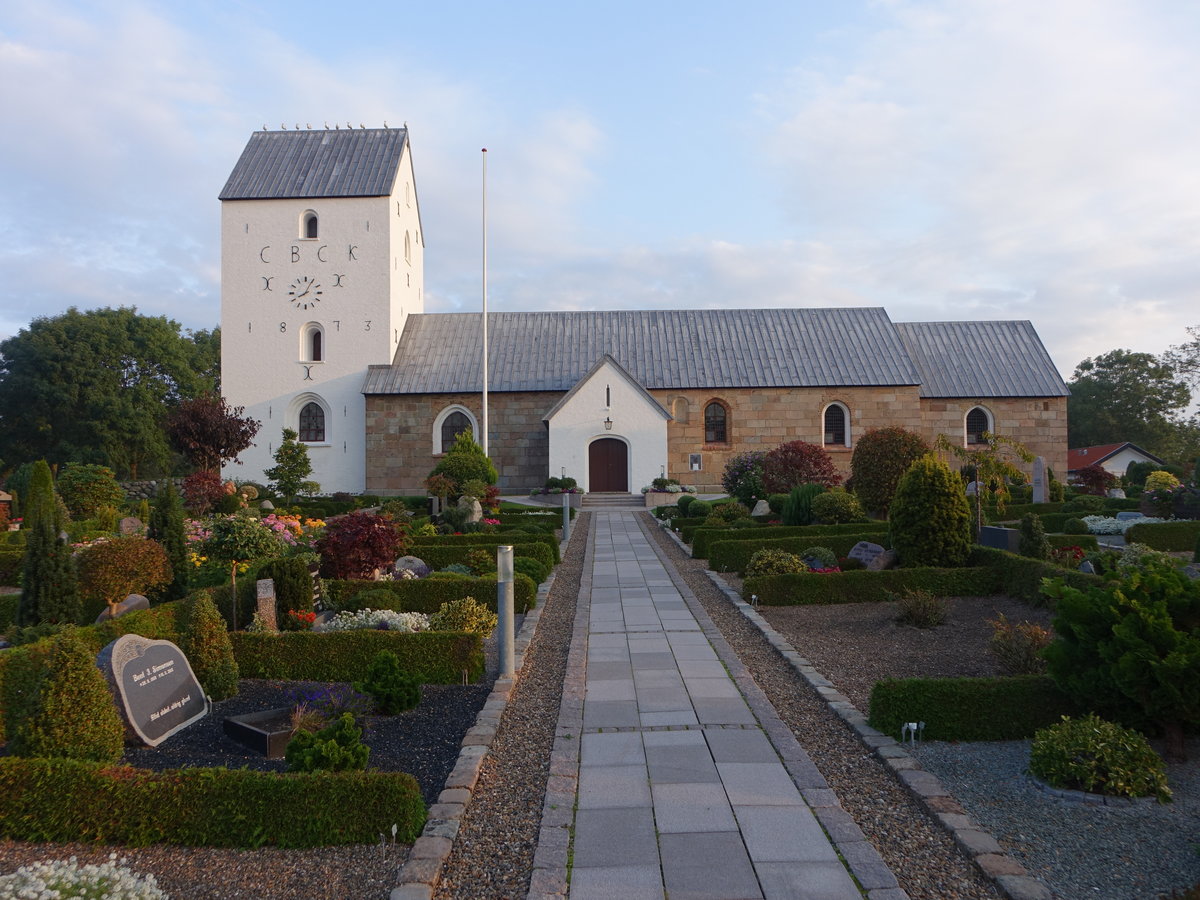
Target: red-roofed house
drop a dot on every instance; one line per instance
(1114, 458)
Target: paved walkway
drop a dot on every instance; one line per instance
(683, 787)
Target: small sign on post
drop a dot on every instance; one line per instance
(504, 610)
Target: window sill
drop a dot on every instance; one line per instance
(316, 443)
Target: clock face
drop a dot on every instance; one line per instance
(304, 292)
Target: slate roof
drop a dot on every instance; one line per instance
(981, 359)
(551, 351)
(351, 162)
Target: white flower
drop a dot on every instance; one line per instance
(375, 618)
(51, 879)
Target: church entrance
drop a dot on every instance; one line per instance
(608, 466)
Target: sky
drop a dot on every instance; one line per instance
(944, 159)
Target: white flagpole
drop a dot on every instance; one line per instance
(485, 314)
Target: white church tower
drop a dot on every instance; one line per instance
(321, 262)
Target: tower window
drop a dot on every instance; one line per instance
(308, 224)
(716, 424)
(312, 424)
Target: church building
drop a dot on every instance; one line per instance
(324, 332)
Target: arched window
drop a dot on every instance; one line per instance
(450, 423)
(308, 224)
(978, 421)
(716, 424)
(312, 346)
(837, 425)
(315, 345)
(312, 423)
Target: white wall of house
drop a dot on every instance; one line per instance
(368, 286)
(637, 420)
(1119, 461)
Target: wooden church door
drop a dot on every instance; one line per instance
(608, 466)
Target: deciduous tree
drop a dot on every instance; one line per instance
(209, 432)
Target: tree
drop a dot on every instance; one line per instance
(85, 487)
(466, 461)
(238, 539)
(49, 592)
(880, 459)
(292, 467)
(992, 463)
(166, 527)
(796, 463)
(1185, 358)
(112, 570)
(930, 522)
(209, 432)
(91, 386)
(1125, 396)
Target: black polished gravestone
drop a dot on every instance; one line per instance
(154, 685)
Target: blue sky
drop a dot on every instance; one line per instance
(946, 160)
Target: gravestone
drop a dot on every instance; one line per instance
(131, 525)
(267, 506)
(761, 508)
(1000, 538)
(1116, 493)
(865, 552)
(1126, 514)
(129, 604)
(409, 564)
(156, 690)
(476, 510)
(888, 559)
(265, 595)
(1040, 488)
(972, 488)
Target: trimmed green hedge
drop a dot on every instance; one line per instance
(861, 586)
(439, 656)
(1021, 577)
(10, 565)
(9, 605)
(1014, 511)
(1170, 536)
(484, 540)
(426, 595)
(1083, 541)
(64, 800)
(704, 538)
(734, 556)
(969, 709)
(438, 557)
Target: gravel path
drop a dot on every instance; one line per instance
(493, 853)
(919, 852)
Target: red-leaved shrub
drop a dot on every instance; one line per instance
(354, 546)
(202, 490)
(1095, 479)
(795, 463)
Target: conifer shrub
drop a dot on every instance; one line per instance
(796, 463)
(1033, 541)
(337, 748)
(205, 642)
(837, 507)
(106, 518)
(465, 461)
(393, 689)
(930, 522)
(1090, 754)
(798, 505)
(71, 712)
(49, 591)
(775, 562)
(467, 615)
(293, 585)
(880, 459)
(165, 525)
(826, 557)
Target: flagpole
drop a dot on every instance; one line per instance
(485, 314)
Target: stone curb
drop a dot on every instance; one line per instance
(1009, 876)
(420, 874)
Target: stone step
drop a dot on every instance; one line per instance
(613, 501)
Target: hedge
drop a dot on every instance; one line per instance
(1021, 577)
(10, 565)
(704, 538)
(426, 595)
(861, 586)
(9, 606)
(969, 709)
(471, 541)
(438, 557)
(734, 556)
(439, 656)
(1016, 510)
(1177, 536)
(1086, 542)
(62, 800)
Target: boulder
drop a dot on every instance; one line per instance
(128, 605)
(409, 563)
(761, 508)
(131, 525)
(266, 506)
(865, 552)
(474, 506)
(888, 559)
(1116, 493)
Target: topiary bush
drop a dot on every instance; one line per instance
(338, 748)
(71, 713)
(465, 461)
(727, 512)
(798, 504)
(776, 501)
(880, 459)
(1090, 754)
(796, 463)
(1033, 541)
(466, 614)
(525, 565)
(930, 522)
(684, 501)
(699, 508)
(205, 642)
(826, 557)
(837, 507)
(85, 487)
(393, 689)
(111, 570)
(775, 562)
(1075, 526)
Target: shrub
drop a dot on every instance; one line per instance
(1155, 481)
(85, 487)
(49, 592)
(1169, 536)
(337, 748)
(464, 462)
(427, 594)
(1095, 479)
(1033, 541)
(481, 561)
(1018, 648)
(826, 557)
(1090, 754)
(837, 507)
(796, 463)
(357, 544)
(524, 565)
(775, 562)
(728, 512)
(382, 619)
(930, 522)
(880, 459)
(700, 508)
(798, 505)
(742, 477)
(166, 527)
(684, 501)
(71, 711)
(293, 585)
(921, 609)
(775, 503)
(345, 656)
(466, 615)
(393, 689)
(205, 642)
(202, 491)
(1075, 526)
(1085, 503)
(870, 587)
(111, 570)
(968, 709)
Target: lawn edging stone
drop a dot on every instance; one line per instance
(1009, 876)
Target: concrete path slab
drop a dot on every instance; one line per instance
(680, 786)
